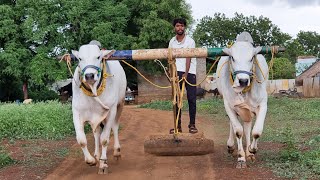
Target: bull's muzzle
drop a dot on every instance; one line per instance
(243, 82)
(90, 78)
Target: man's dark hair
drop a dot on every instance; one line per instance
(180, 21)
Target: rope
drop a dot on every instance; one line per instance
(105, 75)
(68, 61)
(254, 77)
(162, 87)
(180, 105)
(264, 77)
(103, 83)
(164, 68)
(274, 50)
(213, 64)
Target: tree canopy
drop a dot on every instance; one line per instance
(219, 30)
(33, 33)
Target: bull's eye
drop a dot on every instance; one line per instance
(98, 57)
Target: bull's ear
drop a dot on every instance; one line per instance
(75, 53)
(257, 50)
(107, 53)
(227, 51)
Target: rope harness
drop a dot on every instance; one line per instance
(252, 74)
(102, 83)
(84, 86)
(177, 92)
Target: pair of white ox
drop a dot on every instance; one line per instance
(107, 107)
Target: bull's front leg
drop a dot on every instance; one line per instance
(258, 127)
(247, 131)
(104, 140)
(116, 148)
(97, 134)
(230, 142)
(238, 131)
(115, 129)
(81, 138)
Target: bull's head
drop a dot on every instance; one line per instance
(90, 58)
(241, 57)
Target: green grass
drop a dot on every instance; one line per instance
(5, 159)
(295, 123)
(46, 120)
(63, 152)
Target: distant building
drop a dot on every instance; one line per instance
(312, 71)
(303, 63)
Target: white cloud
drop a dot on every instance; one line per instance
(291, 3)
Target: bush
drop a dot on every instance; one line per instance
(282, 69)
(43, 95)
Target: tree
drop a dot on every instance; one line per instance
(310, 42)
(33, 32)
(293, 50)
(219, 30)
(282, 69)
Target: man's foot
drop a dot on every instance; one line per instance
(192, 129)
(179, 130)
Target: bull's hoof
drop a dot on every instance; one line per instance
(117, 154)
(91, 161)
(117, 158)
(253, 151)
(251, 158)
(241, 164)
(231, 149)
(104, 170)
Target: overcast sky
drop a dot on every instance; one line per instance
(290, 16)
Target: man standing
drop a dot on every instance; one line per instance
(186, 68)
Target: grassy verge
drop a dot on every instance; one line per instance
(294, 123)
(46, 120)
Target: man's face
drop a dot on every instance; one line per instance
(179, 28)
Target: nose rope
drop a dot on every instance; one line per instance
(102, 83)
(242, 72)
(93, 67)
(234, 73)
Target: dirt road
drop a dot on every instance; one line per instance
(136, 125)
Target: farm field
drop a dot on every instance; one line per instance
(289, 147)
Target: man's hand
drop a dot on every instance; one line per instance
(185, 75)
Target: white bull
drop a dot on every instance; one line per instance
(102, 108)
(242, 78)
